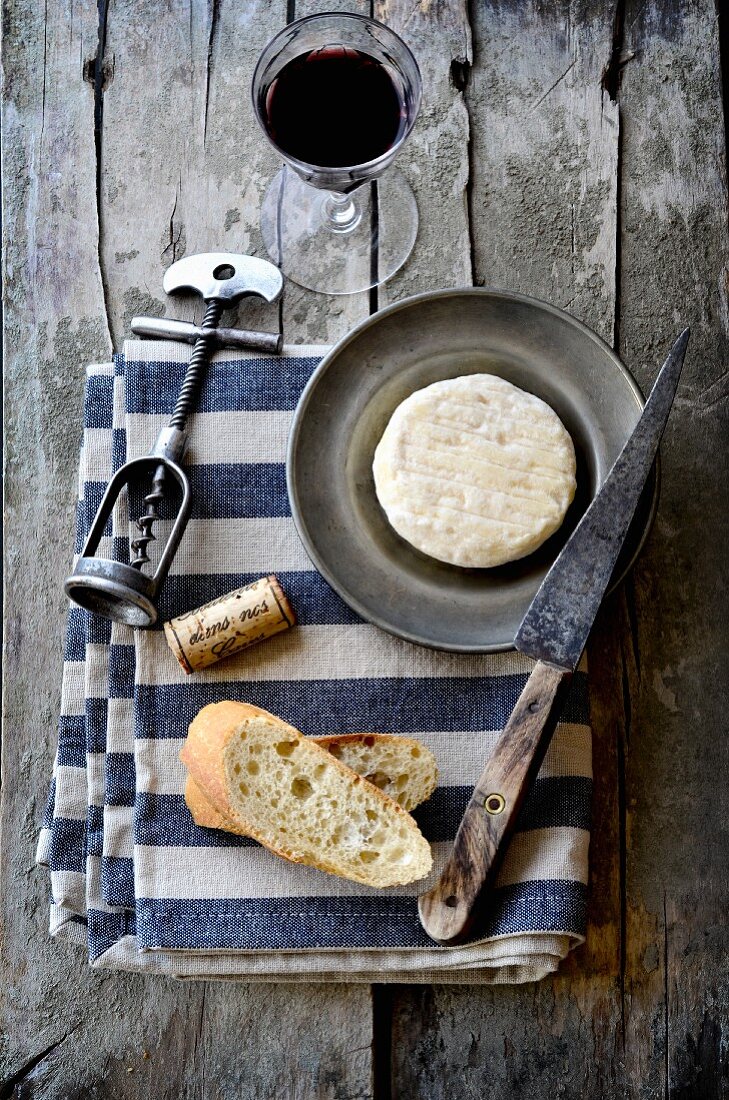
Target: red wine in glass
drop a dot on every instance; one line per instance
(334, 106)
(337, 95)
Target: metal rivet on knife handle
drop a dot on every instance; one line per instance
(495, 803)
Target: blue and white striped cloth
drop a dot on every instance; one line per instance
(132, 877)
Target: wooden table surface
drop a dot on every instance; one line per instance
(570, 150)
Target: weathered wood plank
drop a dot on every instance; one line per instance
(188, 170)
(304, 1042)
(545, 145)
(544, 208)
(183, 168)
(54, 323)
(206, 1041)
(183, 163)
(642, 1011)
(435, 158)
(672, 272)
(543, 202)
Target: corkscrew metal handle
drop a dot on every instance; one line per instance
(165, 328)
(112, 588)
(124, 592)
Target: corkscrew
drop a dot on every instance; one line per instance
(124, 592)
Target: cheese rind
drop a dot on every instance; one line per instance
(474, 471)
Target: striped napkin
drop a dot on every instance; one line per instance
(132, 877)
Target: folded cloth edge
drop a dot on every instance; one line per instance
(562, 943)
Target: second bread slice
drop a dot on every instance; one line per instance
(401, 767)
(297, 799)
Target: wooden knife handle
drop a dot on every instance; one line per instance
(447, 911)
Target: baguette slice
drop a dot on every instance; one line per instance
(299, 800)
(401, 767)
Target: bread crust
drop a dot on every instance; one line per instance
(207, 737)
(203, 754)
(204, 813)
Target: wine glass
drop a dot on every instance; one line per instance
(337, 95)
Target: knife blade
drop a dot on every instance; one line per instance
(554, 631)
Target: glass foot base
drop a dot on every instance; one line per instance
(336, 244)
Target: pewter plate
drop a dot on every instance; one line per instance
(345, 409)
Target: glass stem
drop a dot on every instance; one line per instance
(342, 212)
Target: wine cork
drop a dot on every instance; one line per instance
(229, 624)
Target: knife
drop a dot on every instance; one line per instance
(554, 632)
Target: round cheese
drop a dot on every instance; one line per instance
(474, 471)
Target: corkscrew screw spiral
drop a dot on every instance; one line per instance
(148, 518)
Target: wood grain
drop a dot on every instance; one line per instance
(640, 1010)
(544, 155)
(182, 169)
(673, 266)
(435, 159)
(460, 896)
(543, 194)
(587, 140)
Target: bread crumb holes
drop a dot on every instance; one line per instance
(301, 788)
